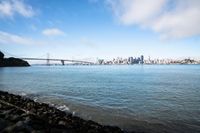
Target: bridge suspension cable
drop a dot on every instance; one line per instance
(48, 59)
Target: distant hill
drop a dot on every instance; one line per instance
(12, 62)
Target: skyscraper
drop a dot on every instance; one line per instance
(142, 59)
(130, 60)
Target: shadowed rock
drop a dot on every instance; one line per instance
(19, 114)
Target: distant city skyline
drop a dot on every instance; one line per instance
(90, 29)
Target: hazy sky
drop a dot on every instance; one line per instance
(82, 29)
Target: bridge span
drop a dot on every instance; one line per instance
(61, 60)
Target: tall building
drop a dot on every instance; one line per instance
(100, 61)
(130, 60)
(142, 59)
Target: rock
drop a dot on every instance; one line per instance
(61, 122)
(3, 124)
(39, 117)
(15, 118)
(20, 126)
(19, 123)
(9, 128)
(36, 131)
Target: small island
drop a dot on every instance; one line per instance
(12, 62)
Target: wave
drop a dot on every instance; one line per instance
(63, 108)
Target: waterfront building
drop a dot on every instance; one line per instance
(130, 60)
(142, 59)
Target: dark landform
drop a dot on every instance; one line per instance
(12, 62)
(20, 114)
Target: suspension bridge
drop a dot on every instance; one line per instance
(48, 59)
(60, 60)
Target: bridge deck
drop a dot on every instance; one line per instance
(62, 60)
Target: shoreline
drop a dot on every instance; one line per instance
(20, 114)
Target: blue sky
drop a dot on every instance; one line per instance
(87, 29)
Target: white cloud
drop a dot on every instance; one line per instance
(8, 38)
(8, 8)
(135, 11)
(170, 18)
(52, 32)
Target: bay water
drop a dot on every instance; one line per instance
(151, 98)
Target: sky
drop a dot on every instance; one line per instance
(90, 29)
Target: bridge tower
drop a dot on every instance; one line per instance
(48, 62)
(63, 62)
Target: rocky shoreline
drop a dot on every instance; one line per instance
(19, 114)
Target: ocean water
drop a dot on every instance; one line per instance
(151, 98)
